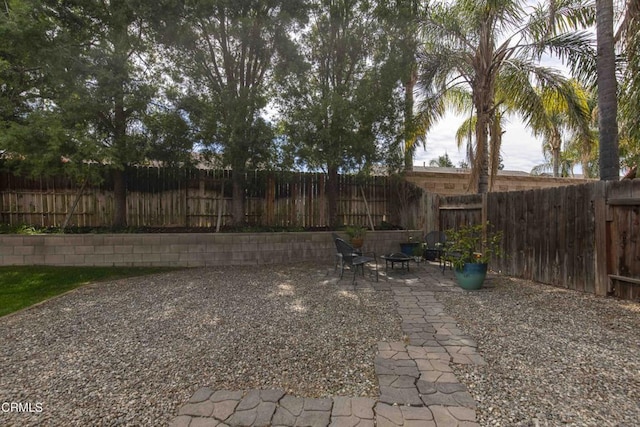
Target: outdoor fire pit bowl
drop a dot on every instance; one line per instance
(396, 257)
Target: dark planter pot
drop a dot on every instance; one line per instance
(472, 276)
(407, 248)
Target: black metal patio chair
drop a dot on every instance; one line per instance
(338, 256)
(354, 259)
(435, 245)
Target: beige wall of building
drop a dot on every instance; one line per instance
(453, 181)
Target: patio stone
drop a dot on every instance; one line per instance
(388, 412)
(293, 405)
(314, 418)
(283, 417)
(362, 408)
(250, 401)
(264, 413)
(413, 413)
(271, 395)
(223, 395)
(201, 395)
(345, 421)
(400, 396)
(341, 407)
(416, 382)
(202, 409)
(243, 418)
(317, 404)
(180, 421)
(223, 410)
(204, 422)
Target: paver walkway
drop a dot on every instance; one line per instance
(417, 384)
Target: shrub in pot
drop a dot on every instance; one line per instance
(469, 249)
(356, 235)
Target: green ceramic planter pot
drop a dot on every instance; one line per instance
(472, 276)
(407, 248)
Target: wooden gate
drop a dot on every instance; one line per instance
(623, 235)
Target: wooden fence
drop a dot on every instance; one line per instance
(180, 197)
(582, 237)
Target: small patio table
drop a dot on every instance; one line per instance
(396, 257)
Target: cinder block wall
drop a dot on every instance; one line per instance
(184, 250)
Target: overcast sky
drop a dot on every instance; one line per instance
(520, 150)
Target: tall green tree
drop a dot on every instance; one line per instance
(101, 99)
(401, 19)
(341, 108)
(230, 53)
(483, 45)
(26, 83)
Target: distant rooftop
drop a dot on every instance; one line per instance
(461, 170)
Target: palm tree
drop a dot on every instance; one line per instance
(607, 93)
(485, 45)
(629, 38)
(553, 113)
(563, 111)
(566, 163)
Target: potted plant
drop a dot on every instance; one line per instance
(356, 235)
(408, 247)
(469, 249)
(418, 252)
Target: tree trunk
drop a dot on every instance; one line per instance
(555, 153)
(119, 198)
(237, 193)
(119, 171)
(332, 196)
(556, 145)
(607, 93)
(409, 128)
(482, 151)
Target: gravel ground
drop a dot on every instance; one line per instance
(554, 357)
(129, 352)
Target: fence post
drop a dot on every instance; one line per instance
(602, 285)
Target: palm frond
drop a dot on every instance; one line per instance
(466, 132)
(574, 49)
(459, 100)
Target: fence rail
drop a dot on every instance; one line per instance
(164, 197)
(582, 237)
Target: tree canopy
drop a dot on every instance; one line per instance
(320, 84)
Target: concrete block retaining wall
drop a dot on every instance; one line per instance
(184, 249)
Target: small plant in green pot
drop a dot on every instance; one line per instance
(469, 249)
(356, 235)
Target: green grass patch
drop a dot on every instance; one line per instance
(23, 286)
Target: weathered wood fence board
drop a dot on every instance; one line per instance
(582, 237)
(195, 198)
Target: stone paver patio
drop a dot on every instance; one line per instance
(417, 384)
